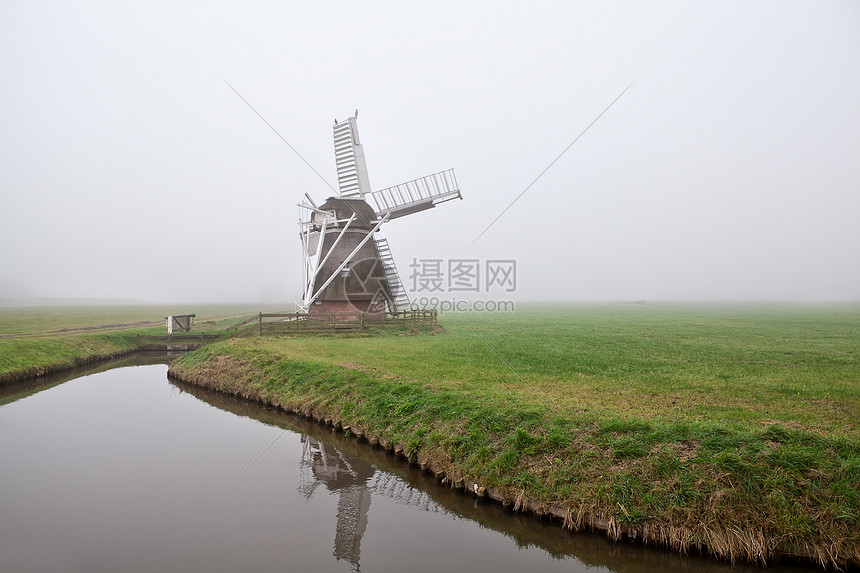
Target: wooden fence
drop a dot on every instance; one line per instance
(298, 323)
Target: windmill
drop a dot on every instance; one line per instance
(347, 264)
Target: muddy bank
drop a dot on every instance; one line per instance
(254, 381)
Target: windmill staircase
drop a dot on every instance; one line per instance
(400, 300)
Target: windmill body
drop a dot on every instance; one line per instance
(347, 264)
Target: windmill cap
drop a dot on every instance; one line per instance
(344, 207)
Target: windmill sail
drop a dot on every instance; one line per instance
(352, 176)
(416, 195)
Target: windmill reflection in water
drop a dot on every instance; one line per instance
(356, 481)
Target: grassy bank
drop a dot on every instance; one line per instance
(727, 429)
(22, 358)
(36, 341)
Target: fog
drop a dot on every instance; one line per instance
(729, 170)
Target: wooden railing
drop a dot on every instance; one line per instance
(294, 323)
(422, 317)
(336, 322)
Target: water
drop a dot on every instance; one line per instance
(121, 470)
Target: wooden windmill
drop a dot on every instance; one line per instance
(347, 264)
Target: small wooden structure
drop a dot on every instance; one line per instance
(182, 322)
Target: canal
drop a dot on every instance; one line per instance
(122, 470)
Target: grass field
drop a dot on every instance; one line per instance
(36, 340)
(731, 366)
(734, 428)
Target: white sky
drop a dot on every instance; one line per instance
(729, 171)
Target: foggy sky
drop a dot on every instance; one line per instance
(730, 170)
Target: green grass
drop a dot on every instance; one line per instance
(733, 427)
(26, 357)
(38, 340)
(739, 367)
